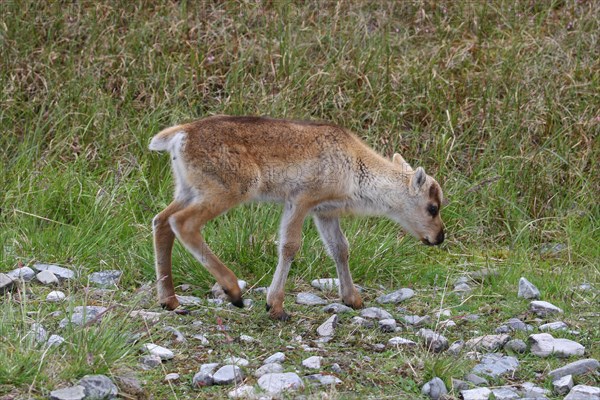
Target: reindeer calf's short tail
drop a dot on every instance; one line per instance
(165, 139)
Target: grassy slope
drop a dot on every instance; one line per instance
(498, 101)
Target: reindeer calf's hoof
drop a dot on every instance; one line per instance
(170, 304)
(280, 316)
(356, 304)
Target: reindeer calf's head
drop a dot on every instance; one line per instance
(419, 209)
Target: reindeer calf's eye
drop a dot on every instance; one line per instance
(433, 210)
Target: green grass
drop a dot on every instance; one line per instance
(497, 100)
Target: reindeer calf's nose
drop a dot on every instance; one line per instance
(440, 238)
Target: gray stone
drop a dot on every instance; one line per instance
(476, 380)
(583, 392)
(504, 393)
(247, 339)
(150, 361)
(83, 314)
(387, 325)
(149, 316)
(309, 299)
(543, 308)
(56, 296)
(529, 389)
(46, 278)
(527, 290)
(189, 300)
(563, 385)
(516, 345)
(327, 328)
(488, 342)
(433, 341)
(55, 340)
(456, 347)
(179, 337)
(105, 279)
(202, 339)
(462, 288)
(400, 341)
(68, 393)
(228, 374)
(156, 350)
(60, 272)
(434, 389)
(416, 320)
(239, 361)
(375, 313)
(514, 324)
(336, 308)
(38, 332)
(278, 357)
(24, 273)
(575, 368)
(495, 365)
(204, 377)
(323, 380)
(360, 321)
(130, 385)
(325, 284)
(98, 387)
(476, 394)
(276, 384)
(584, 287)
(459, 385)
(272, 368)
(6, 283)
(553, 326)
(396, 297)
(313, 362)
(335, 368)
(543, 345)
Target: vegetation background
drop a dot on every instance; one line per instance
(499, 100)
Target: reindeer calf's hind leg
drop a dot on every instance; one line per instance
(187, 224)
(163, 245)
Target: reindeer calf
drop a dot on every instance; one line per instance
(312, 168)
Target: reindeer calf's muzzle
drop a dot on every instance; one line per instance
(438, 240)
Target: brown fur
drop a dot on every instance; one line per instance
(312, 167)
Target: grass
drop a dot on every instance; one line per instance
(498, 100)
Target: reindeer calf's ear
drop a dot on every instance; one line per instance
(398, 159)
(418, 179)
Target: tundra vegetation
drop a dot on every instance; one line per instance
(499, 101)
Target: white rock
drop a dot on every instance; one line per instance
(240, 362)
(38, 332)
(202, 339)
(543, 308)
(276, 384)
(387, 325)
(47, 278)
(278, 357)
(488, 342)
(575, 368)
(527, 289)
(188, 300)
(68, 393)
(204, 377)
(313, 362)
(336, 308)
(325, 284)
(228, 374)
(434, 389)
(360, 321)
(60, 272)
(243, 392)
(323, 380)
(476, 394)
(554, 326)
(247, 339)
(543, 345)
(433, 341)
(56, 296)
(172, 377)
(563, 385)
(6, 283)
(156, 350)
(400, 341)
(505, 393)
(396, 297)
(272, 368)
(375, 313)
(327, 328)
(583, 392)
(310, 299)
(416, 320)
(149, 316)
